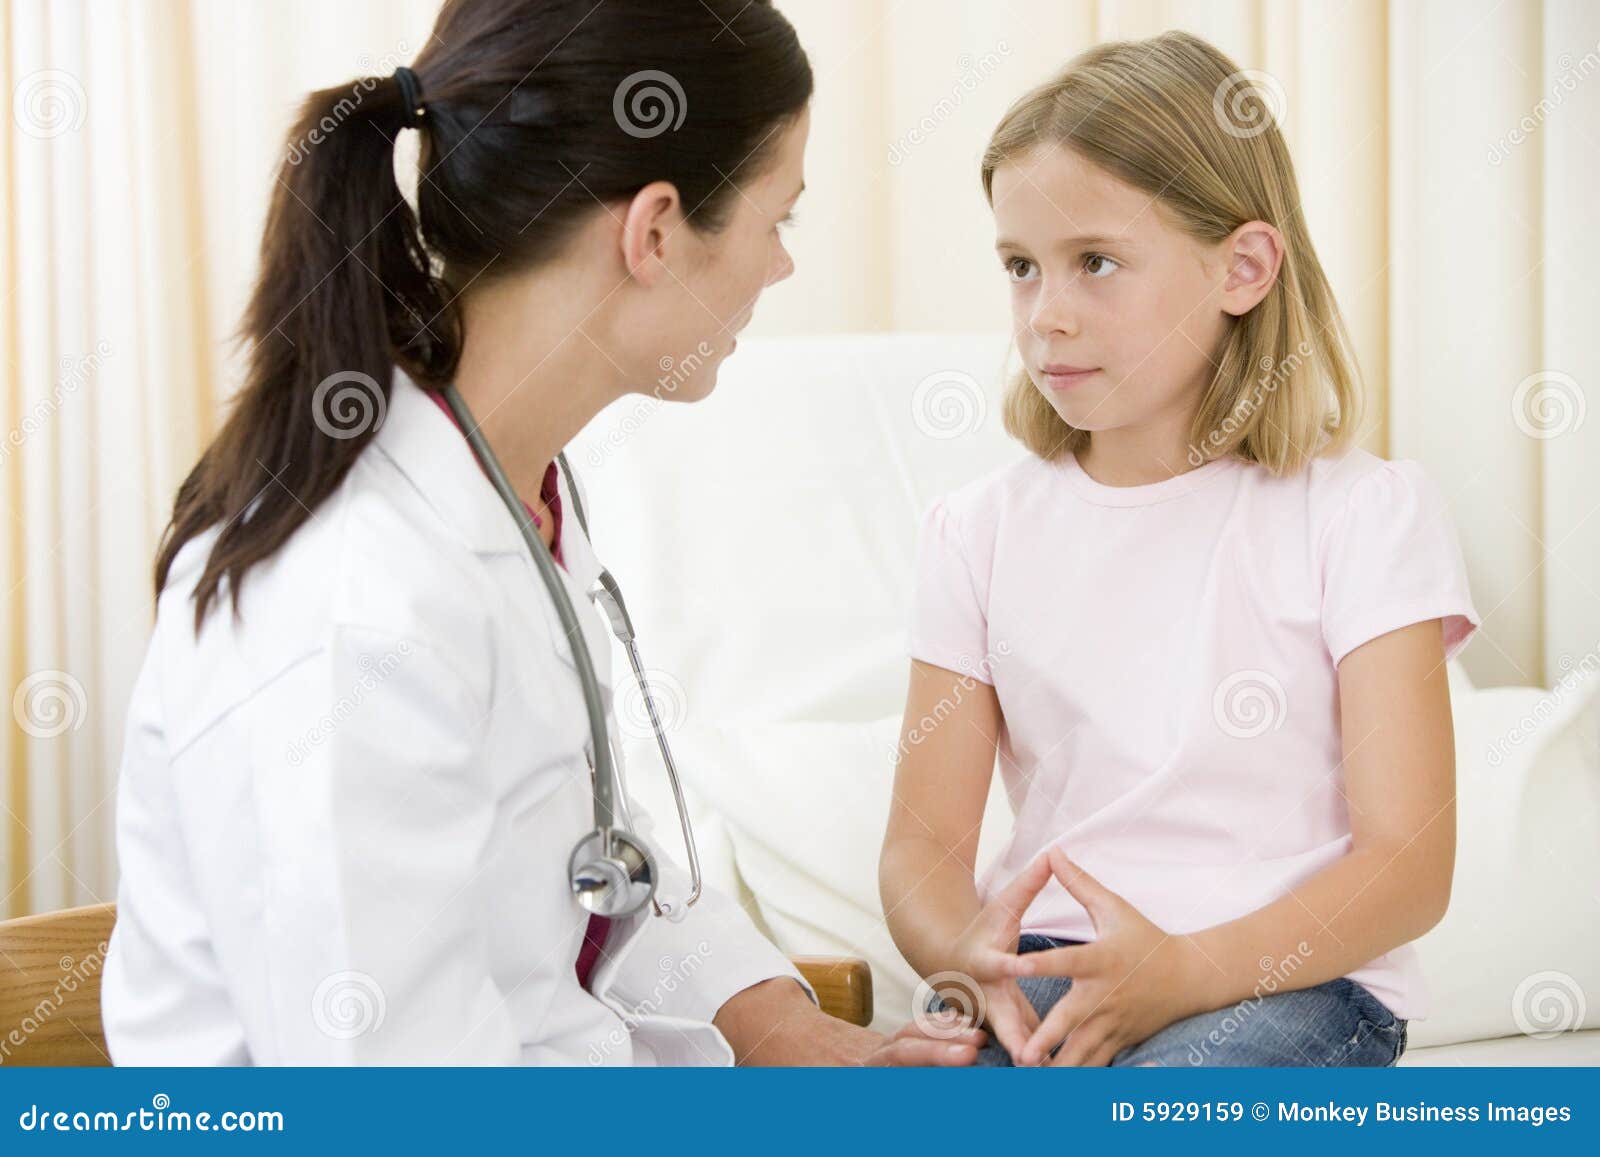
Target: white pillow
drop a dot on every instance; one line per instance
(1519, 949)
(766, 536)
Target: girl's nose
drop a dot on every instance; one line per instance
(1053, 312)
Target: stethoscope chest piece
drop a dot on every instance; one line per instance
(612, 883)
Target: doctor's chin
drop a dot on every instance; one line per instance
(540, 539)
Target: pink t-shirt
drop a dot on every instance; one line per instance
(1164, 657)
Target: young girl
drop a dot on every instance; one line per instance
(1207, 636)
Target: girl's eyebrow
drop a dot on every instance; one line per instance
(1083, 241)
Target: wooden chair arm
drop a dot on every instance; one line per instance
(50, 968)
(843, 985)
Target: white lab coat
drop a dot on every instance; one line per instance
(344, 821)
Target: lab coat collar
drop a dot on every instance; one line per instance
(427, 448)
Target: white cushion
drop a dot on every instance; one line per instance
(1519, 949)
(1569, 1049)
(765, 536)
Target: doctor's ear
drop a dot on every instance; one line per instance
(1252, 255)
(655, 212)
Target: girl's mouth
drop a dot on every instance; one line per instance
(1064, 377)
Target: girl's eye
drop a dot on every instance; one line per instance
(1089, 263)
(787, 220)
(1020, 268)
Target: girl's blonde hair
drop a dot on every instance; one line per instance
(1174, 117)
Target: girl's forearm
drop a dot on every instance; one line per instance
(929, 899)
(1367, 903)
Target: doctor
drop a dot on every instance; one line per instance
(358, 755)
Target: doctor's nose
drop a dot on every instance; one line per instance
(781, 267)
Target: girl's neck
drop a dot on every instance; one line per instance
(1138, 455)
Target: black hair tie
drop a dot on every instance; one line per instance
(411, 96)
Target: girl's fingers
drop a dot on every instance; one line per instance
(1084, 1048)
(1075, 960)
(1011, 1024)
(1067, 1015)
(1108, 1053)
(1030, 1015)
(993, 964)
(1097, 899)
(1017, 895)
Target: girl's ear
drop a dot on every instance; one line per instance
(647, 222)
(1253, 254)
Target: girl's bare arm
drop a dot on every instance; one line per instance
(925, 873)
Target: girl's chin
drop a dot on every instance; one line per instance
(1083, 417)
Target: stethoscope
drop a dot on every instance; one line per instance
(611, 870)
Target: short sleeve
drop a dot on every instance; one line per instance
(949, 627)
(1390, 558)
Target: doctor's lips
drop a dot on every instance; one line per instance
(1060, 376)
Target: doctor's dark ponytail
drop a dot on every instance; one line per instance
(532, 112)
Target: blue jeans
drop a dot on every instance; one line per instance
(1335, 1023)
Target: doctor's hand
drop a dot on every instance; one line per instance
(775, 1023)
(947, 1039)
(987, 954)
(1130, 982)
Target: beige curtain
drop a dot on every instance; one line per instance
(1447, 153)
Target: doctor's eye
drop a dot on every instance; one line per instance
(1019, 268)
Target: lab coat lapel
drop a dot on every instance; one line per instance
(428, 449)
